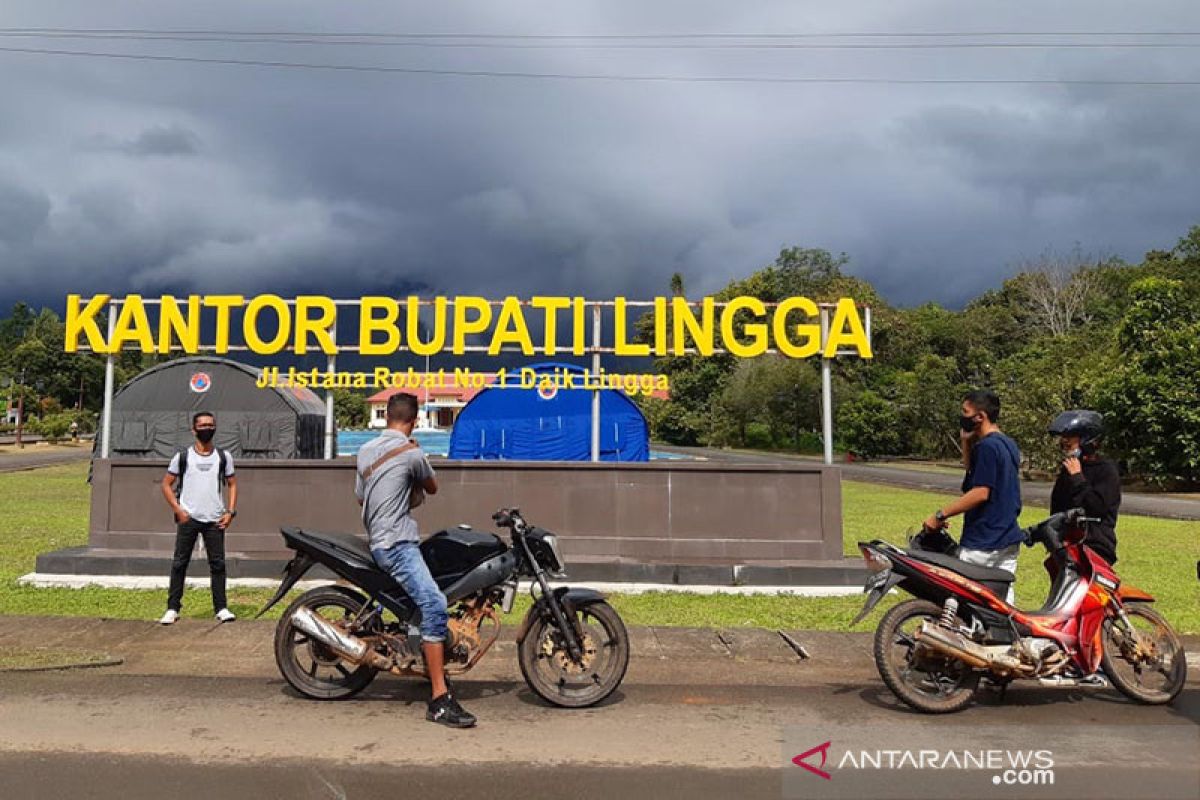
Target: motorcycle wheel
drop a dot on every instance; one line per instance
(927, 682)
(1152, 673)
(554, 677)
(309, 666)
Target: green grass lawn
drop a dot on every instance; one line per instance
(47, 509)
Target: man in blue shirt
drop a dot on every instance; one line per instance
(991, 499)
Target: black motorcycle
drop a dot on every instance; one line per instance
(332, 641)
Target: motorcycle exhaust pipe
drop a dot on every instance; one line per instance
(1087, 682)
(348, 647)
(954, 645)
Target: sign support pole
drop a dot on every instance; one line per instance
(109, 364)
(331, 368)
(826, 390)
(596, 382)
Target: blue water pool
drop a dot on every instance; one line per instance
(437, 443)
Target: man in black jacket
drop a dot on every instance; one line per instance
(1087, 480)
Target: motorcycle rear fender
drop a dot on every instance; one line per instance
(292, 573)
(876, 595)
(569, 598)
(1127, 593)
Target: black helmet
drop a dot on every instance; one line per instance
(1087, 425)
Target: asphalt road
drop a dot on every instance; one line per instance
(65, 775)
(85, 734)
(1150, 505)
(33, 457)
(212, 718)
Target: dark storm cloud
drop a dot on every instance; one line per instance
(160, 140)
(139, 176)
(22, 213)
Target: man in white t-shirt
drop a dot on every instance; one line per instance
(200, 511)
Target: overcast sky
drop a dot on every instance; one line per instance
(172, 177)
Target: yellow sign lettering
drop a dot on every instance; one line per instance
(174, 324)
(223, 303)
(511, 329)
(700, 331)
(464, 326)
(318, 327)
(621, 346)
(132, 325)
(847, 328)
(83, 321)
(809, 334)
(369, 323)
(437, 337)
(757, 331)
(551, 306)
(283, 324)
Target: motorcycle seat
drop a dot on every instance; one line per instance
(349, 542)
(972, 571)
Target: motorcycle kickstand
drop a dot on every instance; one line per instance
(1000, 685)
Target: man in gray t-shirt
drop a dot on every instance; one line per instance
(392, 490)
(393, 476)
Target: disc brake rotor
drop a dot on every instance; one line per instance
(556, 650)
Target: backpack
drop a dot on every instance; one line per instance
(222, 460)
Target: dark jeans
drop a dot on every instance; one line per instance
(214, 545)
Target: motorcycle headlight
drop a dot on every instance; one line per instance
(552, 543)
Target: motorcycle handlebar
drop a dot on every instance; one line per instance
(1050, 530)
(506, 517)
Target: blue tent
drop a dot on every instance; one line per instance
(550, 424)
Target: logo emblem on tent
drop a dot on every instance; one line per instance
(200, 382)
(547, 389)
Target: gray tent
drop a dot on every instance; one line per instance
(152, 414)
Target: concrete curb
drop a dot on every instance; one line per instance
(841, 572)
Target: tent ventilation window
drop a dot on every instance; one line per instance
(134, 436)
(257, 438)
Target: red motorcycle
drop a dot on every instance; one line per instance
(933, 651)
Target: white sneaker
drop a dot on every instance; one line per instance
(225, 615)
(169, 618)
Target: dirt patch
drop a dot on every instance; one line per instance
(37, 659)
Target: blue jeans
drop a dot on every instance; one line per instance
(403, 562)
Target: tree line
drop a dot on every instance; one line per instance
(1069, 330)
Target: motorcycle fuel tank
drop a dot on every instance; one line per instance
(451, 554)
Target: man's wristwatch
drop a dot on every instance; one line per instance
(940, 515)
(232, 513)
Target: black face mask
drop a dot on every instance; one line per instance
(968, 424)
(205, 435)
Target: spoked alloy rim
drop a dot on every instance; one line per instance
(315, 661)
(601, 657)
(1145, 659)
(922, 671)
